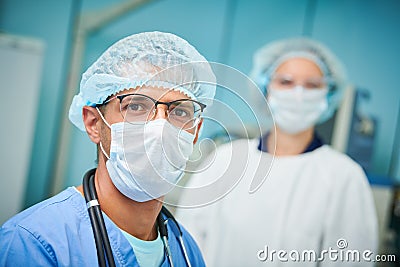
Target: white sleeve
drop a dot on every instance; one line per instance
(351, 216)
(203, 222)
(207, 224)
(197, 220)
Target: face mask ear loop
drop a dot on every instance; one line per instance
(101, 145)
(102, 117)
(196, 129)
(104, 152)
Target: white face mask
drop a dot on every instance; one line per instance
(297, 109)
(147, 160)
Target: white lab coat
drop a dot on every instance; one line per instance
(307, 202)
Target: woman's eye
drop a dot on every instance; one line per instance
(286, 82)
(313, 84)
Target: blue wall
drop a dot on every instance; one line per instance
(366, 36)
(361, 32)
(51, 22)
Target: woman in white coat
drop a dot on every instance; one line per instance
(315, 207)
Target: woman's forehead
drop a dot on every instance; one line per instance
(301, 66)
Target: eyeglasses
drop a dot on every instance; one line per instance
(182, 113)
(286, 81)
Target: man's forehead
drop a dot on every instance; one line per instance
(156, 92)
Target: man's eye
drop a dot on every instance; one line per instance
(135, 107)
(180, 112)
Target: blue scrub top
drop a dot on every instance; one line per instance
(58, 232)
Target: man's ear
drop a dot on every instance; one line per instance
(197, 131)
(90, 118)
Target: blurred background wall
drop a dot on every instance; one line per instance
(363, 33)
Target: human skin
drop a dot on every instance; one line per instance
(135, 218)
(293, 144)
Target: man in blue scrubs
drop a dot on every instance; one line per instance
(141, 104)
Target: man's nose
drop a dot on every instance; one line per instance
(161, 112)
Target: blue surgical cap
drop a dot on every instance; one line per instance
(269, 57)
(154, 59)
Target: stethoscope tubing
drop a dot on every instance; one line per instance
(102, 241)
(170, 216)
(164, 236)
(97, 220)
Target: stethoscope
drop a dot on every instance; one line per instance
(104, 251)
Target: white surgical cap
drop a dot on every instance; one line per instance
(151, 58)
(268, 58)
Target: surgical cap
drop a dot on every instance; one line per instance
(155, 59)
(268, 58)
